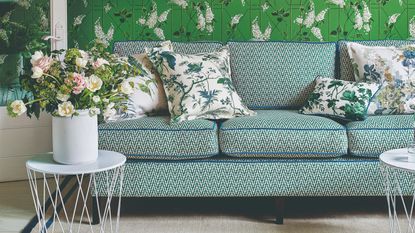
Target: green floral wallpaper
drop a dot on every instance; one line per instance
(223, 20)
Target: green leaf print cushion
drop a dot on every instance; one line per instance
(198, 86)
(394, 69)
(341, 99)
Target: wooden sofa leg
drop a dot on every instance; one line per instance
(279, 205)
(95, 214)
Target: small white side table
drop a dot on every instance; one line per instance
(394, 164)
(110, 166)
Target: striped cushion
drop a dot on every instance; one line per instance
(282, 133)
(378, 134)
(127, 48)
(346, 67)
(155, 138)
(279, 75)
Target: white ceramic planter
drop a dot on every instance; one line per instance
(75, 139)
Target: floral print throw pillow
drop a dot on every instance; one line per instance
(198, 86)
(148, 97)
(341, 99)
(391, 67)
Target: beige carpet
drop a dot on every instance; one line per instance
(319, 215)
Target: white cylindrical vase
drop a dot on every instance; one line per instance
(75, 139)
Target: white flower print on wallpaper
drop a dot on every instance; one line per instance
(205, 21)
(224, 20)
(258, 34)
(155, 21)
(312, 21)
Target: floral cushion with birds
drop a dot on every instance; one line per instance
(199, 86)
(391, 67)
(341, 99)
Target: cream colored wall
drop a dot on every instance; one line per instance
(21, 138)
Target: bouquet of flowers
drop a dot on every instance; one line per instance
(93, 80)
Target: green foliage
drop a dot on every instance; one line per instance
(22, 27)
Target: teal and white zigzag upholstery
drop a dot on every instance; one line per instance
(378, 134)
(127, 48)
(282, 133)
(346, 67)
(235, 177)
(156, 138)
(279, 75)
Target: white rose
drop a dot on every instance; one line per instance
(96, 99)
(84, 54)
(94, 111)
(127, 88)
(100, 62)
(35, 57)
(62, 97)
(18, 107)
(37, 72)
(106, 100)
(81, 62)
(109, 112)
(111, 105)
(93, 83)
(66, 109)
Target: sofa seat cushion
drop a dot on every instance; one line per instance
(378, 134)
(282, 133)
(156, 138)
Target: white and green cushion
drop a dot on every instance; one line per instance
(393, 68)
(282, 133)
(341, 99)
(148, 97)
(345, 63)
(279, 75)
(155, 138)
(378, 134)
(198, 86)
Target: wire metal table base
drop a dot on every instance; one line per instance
(396, 201)
(65, 216)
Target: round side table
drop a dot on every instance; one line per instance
(53, 184)
(394, 164)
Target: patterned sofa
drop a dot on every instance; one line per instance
(277, 153)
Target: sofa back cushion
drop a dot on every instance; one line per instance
(346, 67)
(128, 48)
(279, 75)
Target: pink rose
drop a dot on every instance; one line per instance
(80, 83)
(43, 62)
